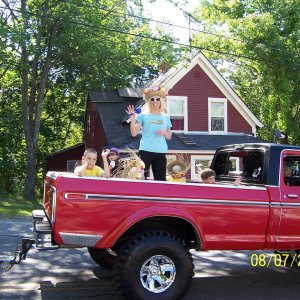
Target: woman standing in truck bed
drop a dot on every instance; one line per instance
(156, 129)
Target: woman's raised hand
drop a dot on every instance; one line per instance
(130, 110)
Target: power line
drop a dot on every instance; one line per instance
(129, 33)
(105, 8)
(87, 25)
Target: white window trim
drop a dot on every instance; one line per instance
(237, 163)
(185, 100)
(224, 101)
(194, 175)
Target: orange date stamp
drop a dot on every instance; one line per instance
(276, 259)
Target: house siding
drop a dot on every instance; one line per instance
(94, 136)
(236, 122)
(198, 87)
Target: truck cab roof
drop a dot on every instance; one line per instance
(256, 163)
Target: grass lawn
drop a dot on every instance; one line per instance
(15, 205)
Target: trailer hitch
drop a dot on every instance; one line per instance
(9, 259)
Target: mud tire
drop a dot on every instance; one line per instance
(164, 250)
(103, 258)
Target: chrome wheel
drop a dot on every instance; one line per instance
(154, 265)
(157, 273)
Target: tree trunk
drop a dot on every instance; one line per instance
(29, 188)
(33, 93)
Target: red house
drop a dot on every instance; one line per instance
(205, 112)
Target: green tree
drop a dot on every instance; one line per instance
(11, 148)
(54, 53)
(259, 41)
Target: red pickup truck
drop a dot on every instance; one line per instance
(145, 229)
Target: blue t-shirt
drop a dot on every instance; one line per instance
(151, 141)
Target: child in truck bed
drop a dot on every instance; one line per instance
(114, 161)
(88, 166)
(209, 176)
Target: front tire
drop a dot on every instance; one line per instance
(154, 265)
(102, 257)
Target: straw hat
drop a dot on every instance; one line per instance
(176, 166)
(159, 91)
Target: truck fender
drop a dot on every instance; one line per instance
(152, 211)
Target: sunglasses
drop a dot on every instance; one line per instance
(153, 98)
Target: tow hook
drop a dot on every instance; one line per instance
(9, 259)
(25, 247)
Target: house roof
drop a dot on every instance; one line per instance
(117, 95)
(131, 92)
(206, 142)
(105, 96)
(113, 116)
(80, 145)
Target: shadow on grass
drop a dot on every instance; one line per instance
(16, 205)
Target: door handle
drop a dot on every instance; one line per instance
(292, 196)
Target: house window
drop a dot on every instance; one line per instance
(198, 163)
(177, 110)
(71, 165)
(217, 111)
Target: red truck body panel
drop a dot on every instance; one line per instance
(236, 217)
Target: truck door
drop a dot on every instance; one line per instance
(289, 226)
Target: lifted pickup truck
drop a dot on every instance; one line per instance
(145, 229)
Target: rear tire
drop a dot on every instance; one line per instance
(154, 265)
(102, 257)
